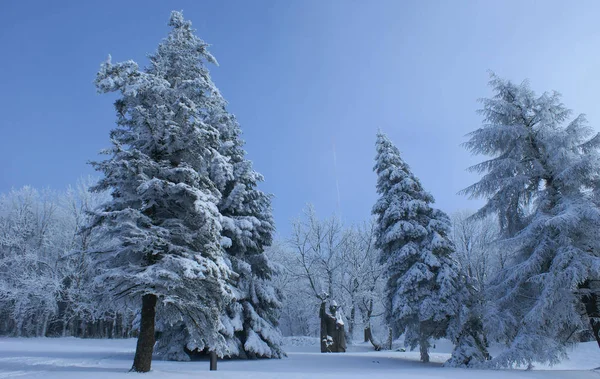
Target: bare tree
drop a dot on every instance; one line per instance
(476, 251)
(325, 260)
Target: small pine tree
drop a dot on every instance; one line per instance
(542, 181)
(164, 207)
(416, 250)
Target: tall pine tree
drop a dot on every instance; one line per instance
(248, 228)
(250, 322)
(416, 251)
(542, 180)
(164, 207)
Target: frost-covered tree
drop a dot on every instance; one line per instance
(47, 266)
(250, 322)
(164, 206)
(416, 250)
(31, 244)
(542, 181)
(479, 258)
(361, 280)
(248, 226)
(298, 312)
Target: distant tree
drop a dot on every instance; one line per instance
(318, 246)
(361, 280)
(299, 315)
(164, 205)
(542, 181)
(479, 259)
(47, 266)
(416, 250)
(476, 250)
(31, 244)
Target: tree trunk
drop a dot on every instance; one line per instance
(367, 334)
(424, 348)
(145, 343)
(376, 345)
(323, 331)
(590, 301)
(351, 322)
(213, 361)
(45, 325)
(113, 329)
(591, 307)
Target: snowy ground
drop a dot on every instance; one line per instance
(78, 358)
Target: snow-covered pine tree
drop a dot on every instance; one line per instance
(542, 181)
(164, 206)
(248, 228)
(250, 323)
(416, 251)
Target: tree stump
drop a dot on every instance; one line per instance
(333, 337)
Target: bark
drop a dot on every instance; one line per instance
(590, 300)
(45, 325)
(351, 321)
(213, 361)
(424, 348)
(145, 343)
(369, 335)
(322, 314)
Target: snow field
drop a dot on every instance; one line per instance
(70, 358)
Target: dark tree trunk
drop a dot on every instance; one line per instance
(591, 308)
(589, 298)
(323, 332)
(424, 348)
(351, 323)
(145, 343)
(367, 335)
(213, 361)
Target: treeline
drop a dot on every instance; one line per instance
(48, 267)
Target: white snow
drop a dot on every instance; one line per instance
(54, 358)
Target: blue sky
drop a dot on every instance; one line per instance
(302, 77)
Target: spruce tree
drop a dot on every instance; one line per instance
(542, 180)
(250, 322)
(164, 207)
(248, 228)
(416, 250)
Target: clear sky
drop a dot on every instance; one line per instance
(302, 77)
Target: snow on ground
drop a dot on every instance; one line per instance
(69, 358)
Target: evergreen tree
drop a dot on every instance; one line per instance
(164, 207)
(542, 181)
(248, 228)
(416, 250)
(250, 323)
